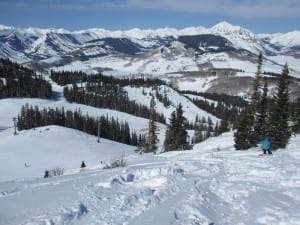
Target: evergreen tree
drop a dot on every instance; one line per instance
(181, 133)
(152, 129)
(280, 132)
(47, 174)
(256, 100)
(176, 134)
(263, 119)
(224, 126)
(249, 124)
(150, 140)
(169, 143)
(243, 135)
(296, 116)
(198, 136)
(82, 165)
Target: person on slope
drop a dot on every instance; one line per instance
(265, 145)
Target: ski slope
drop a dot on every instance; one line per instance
(211, 184)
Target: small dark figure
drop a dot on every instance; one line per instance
(46, 174)
(82, 165)
(265, 145)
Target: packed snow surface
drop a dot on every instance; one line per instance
(211, 184)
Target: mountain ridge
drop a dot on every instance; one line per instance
(241, 37)
(193, 29)
(221, 49)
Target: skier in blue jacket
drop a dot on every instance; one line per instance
(265, 145)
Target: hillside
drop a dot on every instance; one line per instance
(46, 148)
(143, 95)
(212, 184)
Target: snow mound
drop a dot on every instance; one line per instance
(65, 216)
(45, 148)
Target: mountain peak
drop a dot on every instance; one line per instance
(227, 29)
(225, 26)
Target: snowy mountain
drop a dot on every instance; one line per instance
(240, 37)
(204, 55)
(286, 41)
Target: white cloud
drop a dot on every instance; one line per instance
(239, 8)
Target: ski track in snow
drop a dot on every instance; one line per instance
(210, 187)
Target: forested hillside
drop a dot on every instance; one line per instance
(19, 81)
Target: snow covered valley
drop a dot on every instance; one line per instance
(212, 184)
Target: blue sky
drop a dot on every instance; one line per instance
(260, 16)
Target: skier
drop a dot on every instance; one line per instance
(265, 145)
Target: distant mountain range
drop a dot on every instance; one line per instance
(176, 55)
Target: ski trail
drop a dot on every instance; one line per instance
(187, 188)
(135, 193)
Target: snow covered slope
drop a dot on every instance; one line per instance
(212, 184)
(288, 40)
(143, 96)
(10, 108)
(46, 148)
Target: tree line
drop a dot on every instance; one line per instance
(228, 100)
(71, 77)
(227, 109)
(108, 95)
(19, 81)
(102, 91)
(163, 98)
(110, 128)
